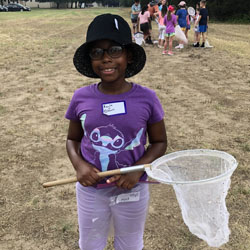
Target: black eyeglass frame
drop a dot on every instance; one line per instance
(108, 52)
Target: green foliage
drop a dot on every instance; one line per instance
(221, 10)
(224, 10)
(126, 3)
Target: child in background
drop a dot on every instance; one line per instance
(152, 8)
(162, 3)
(182, 20)
(196, 27)
(135, 10)
(162, 28)
(109, 123)
(170, 21)
(144, 20)
(202, 20)
(188, 25)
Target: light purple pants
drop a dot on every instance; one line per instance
(127, 209)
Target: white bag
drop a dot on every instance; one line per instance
(139, 38)
(179, 34)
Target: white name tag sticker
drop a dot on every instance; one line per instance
(114, 108)
(134, 196)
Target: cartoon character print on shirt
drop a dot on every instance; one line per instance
(107, 142)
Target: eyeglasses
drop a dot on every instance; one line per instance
(113, 52)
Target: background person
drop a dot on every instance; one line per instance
(144, 20)
(153, 9)
(170, 21)
(162, 3)
(203, 21)
(196, 28)
(162, 28)
(182, 20)
(135, 10)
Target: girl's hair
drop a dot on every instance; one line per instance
(144, 9)
(169, 15)
(164, 10)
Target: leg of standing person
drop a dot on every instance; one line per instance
(186, 32)
(203, 39)
(198, 39)
(165, 45)
(196, 42)
(149, 39)
(203, 30)
(129, 220)
(93, 218)
(170, 50)
(137, 26)
(159, 40)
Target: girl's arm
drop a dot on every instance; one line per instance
(85, 172)
(157, 147)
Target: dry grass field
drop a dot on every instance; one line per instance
(205, 94)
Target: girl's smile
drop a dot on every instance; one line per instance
(108, 70)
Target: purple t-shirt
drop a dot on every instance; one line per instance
(170, 24)
(114, 126)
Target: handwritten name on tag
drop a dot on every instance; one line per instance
(114, 108)
(134, 196)
(121, 198)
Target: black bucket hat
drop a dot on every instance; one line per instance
(115, 28)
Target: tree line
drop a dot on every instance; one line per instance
(220, 10)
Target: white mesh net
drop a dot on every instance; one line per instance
(201, 179)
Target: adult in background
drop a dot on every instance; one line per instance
(182, 20)
(135, 10)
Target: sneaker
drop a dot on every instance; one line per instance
(164, 52)
(181, 46)
(159, 46)
(196, 45)
(178, 46)
(203, 45)
(170, 53)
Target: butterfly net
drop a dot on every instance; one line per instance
(201, 179)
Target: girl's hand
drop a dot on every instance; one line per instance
(126, 181)
(87, 175)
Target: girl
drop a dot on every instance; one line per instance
(188, 25)
(170, 21)
(109, 124)
(144, 20)
(182, 20)
(196, 28)
(135, 10)
(161, 14)
(162, 3)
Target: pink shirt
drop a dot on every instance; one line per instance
(161, 18)
(144, 18)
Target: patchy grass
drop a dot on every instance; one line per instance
(205, 96)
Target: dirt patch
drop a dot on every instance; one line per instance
(205, 94)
